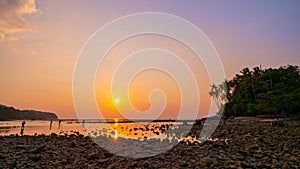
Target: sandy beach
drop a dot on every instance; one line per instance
(237, 144)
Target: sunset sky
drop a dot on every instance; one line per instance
(41, 40)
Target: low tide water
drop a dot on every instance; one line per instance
(94, 128)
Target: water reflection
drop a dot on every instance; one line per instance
(115, 129)
(115, 135)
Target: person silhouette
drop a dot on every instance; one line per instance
(59, 122)
(50, 124)
(83, 124)
(22, 128)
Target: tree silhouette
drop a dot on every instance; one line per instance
(218, 93)
(260, 91)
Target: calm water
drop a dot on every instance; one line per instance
(94, 128)
(39, 127)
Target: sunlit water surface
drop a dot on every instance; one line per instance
(94, 128)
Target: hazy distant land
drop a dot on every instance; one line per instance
(10, 113)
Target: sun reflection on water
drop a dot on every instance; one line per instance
(116, 122)
(115, 135)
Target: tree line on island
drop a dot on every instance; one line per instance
(258, 92)
(10, 113)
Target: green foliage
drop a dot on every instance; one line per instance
(268, 91)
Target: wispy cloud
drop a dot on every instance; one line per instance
(12, 17)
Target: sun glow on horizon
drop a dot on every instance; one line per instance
(116, 122)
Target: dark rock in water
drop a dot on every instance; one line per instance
(156, 132)
(10, 113)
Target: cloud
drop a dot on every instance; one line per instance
(12, 17)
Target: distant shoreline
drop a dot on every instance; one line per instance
(120, 120)
(10, 113)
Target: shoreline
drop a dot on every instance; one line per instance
(237, 146)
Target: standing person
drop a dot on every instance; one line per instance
(59, 124)
(50, 124)
(83, 124)
(22, 127)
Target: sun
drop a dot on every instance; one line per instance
(117, 100)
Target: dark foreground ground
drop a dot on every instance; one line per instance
(239, 145)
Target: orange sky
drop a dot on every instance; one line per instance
(146, 81)
(41, 40)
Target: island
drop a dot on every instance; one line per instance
(10, 113)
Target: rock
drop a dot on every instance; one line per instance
(68, 166)
(221, 143)
(278, 123)
(64, 161)
(258, 151)
(205, 162)
(111, 166)
(232, 166)
(241, 158)
(102, 161)
(252, 147)
(73, 144)
(93, 156)
(134, 165)
(59, 167)
(53, 135)
(36, 158)
(19, 147)
(2, 156)
(243, 152)
(183, 164)
(38, 149)
(13, 165)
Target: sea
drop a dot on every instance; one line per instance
(114, 128)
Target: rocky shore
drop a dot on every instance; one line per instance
(233, 145)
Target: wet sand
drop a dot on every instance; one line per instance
(237, 144)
